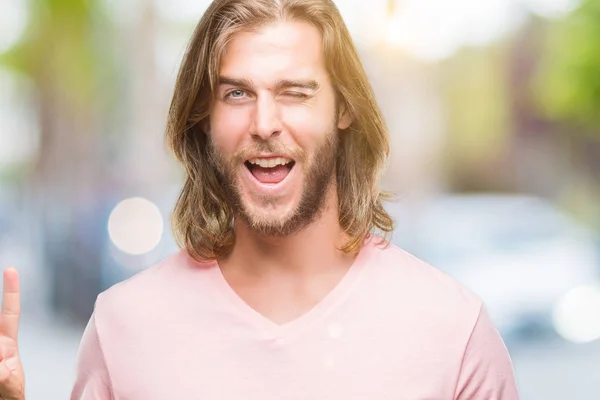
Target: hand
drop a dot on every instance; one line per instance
(12, 378)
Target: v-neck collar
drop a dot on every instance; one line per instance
(283, 331)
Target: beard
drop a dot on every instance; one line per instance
(319, 171)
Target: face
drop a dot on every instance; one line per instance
(273, 127)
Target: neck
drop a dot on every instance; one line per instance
(301, 254)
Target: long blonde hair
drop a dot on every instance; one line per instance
(202, 219)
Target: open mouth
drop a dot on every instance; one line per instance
(270, 170)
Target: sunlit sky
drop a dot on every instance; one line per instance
(13, 19)
(428, 29)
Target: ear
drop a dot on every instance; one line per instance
(344, 117)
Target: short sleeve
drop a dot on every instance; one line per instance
(92, 380)
(487, 371)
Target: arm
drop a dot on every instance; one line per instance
(486, 372)
(92, 378)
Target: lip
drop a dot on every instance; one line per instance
(270, 156)
(270, 188)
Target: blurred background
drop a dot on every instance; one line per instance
(494, 114)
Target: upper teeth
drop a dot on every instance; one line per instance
(270, 162)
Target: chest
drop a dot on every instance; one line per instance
(329, 361)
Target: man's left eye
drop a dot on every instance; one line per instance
(298, 95)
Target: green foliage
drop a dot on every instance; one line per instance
(61, 47)
(568, 81)
(476, 96)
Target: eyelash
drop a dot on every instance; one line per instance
(298, 95)
(228, 94)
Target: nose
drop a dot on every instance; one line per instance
(267, 121)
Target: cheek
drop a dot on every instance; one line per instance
(309, 125)
(228, 127)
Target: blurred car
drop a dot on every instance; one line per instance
(519, 254)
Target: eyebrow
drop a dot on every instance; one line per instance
(279, 84)
(293, 83)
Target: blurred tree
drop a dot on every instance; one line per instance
(65, 52)
(568, 80)
(567, 92)
(476, 91)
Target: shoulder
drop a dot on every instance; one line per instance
(403, 270)
(411, 286)
(157, 288)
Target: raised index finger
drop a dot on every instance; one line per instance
(11, 304)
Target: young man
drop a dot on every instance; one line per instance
(280, 291)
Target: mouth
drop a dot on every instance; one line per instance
(270, 170)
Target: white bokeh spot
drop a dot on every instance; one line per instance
(577, 314)
(135, 226)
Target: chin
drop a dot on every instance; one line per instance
(269, 219)
(269, 213)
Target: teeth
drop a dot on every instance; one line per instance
(270, 162)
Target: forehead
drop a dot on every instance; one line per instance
(286, 50)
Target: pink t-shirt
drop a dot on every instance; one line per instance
(393, 328)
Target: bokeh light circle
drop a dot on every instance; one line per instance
(577, 314)
(135, 226)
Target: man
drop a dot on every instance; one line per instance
(280, 291)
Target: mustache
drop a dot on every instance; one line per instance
(269, 147)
